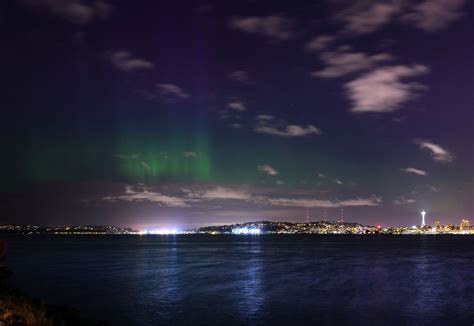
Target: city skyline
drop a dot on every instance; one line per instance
(177, 114)
(309, 226)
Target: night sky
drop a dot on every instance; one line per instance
(188, 113)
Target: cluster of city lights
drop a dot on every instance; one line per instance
(246, 230)
(160, 231)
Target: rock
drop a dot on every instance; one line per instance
(3, 249)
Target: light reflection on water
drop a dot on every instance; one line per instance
(157, 273)
(250, 295)
(252, 280)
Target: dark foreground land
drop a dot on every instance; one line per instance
(18, 308)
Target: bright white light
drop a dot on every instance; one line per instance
(160, 231)
(246, 230)
(423, 213)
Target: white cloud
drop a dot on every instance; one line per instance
(75, 11)
(361, 17)
(288, 131)
(190, 154)
(339, 182)
(404, 201)
(414, 171)
(232, 113)
(145, 195)
(145, 165)
(433, 15)
(340, 63)
(268, 170)
(240, 76)
(205, 197)
(267, 124)
(437, 152)
(235, 125)
(223, 193)
(124, 156)
(367, 16)
(275, 27)
(167, 92)
(321, 175)
(289, 202)
(237, 106)
(383, 90)
(124, 60)
(264, 117)
(171, 91)
(319, 43)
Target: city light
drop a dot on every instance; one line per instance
(160, 231)
(246, 230)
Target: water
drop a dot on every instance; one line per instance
(339, 280)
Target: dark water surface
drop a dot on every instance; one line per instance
(338, 280)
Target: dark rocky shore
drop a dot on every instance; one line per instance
(18, 308)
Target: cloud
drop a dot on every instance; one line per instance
(289, 131)
(415, 171)
(166, 92)
(171, 91)
(262, 117)
(237, 106)
(240, 76)
(339, 182)
(433, 15)
(321, 175)
(124, 60)
(235, 125)
(124, 156)
(340, 63)
(310, 203)
(319, 43)
(216, 197)
(267, 124)
(383, 90)
(75, 11)
(268, 170)
(404, 201)
(437, 152)
(275, 27)
(190, 154)
(363, 17)
(232, 113)
(222, 193)
(145, 195)
(145, 165)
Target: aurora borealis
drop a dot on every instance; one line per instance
(190, 113)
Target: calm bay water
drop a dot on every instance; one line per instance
(370, 280)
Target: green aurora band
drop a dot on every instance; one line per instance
(151, 158)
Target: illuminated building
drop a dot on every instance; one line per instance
(465, 225)
(246, 230)
(160, 232)
(437, 225)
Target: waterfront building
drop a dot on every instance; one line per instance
(465, 225)
(437, 225)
